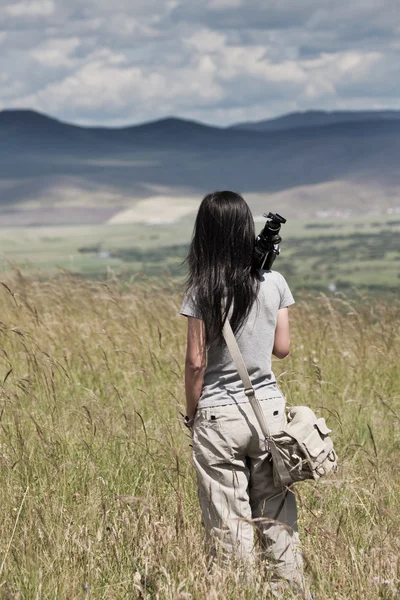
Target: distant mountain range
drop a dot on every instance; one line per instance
(313, 118)
(52, 172)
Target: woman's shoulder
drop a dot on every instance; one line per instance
(273, 283)
(269, 277)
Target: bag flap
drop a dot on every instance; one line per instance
(322, 426)
(301, 422)
(317, 443)
(320, 451)
(314, 452)
(301, 414)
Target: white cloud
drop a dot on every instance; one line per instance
(108, 83)
(252, 61)
(207, 40)
(41, 8)
(331, 70)
(358, 64)
(223, 60)
(56, 52)
(221, 4)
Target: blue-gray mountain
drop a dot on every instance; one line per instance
(312, 118)
(39, 154)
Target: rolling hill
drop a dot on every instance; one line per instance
(312, 118)
(53, 172)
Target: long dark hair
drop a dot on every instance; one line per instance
(220, 262)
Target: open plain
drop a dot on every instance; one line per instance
(344, 254)
(98, 492)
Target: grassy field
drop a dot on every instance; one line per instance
(98, 493)
(362, 253)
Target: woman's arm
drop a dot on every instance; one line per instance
(282, 338)
(195, 364)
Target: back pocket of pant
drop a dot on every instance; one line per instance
(209, 442)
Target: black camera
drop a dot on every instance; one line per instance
(266, 248)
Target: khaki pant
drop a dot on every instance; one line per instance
(236, 486)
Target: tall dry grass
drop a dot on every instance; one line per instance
(98, 495)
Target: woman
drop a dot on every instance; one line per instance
(234, 471)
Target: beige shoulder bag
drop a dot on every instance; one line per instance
(303, 449)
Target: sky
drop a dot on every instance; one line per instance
(115, 62)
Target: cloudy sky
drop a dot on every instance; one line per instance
(219, 61)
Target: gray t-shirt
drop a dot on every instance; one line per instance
(222, 384)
